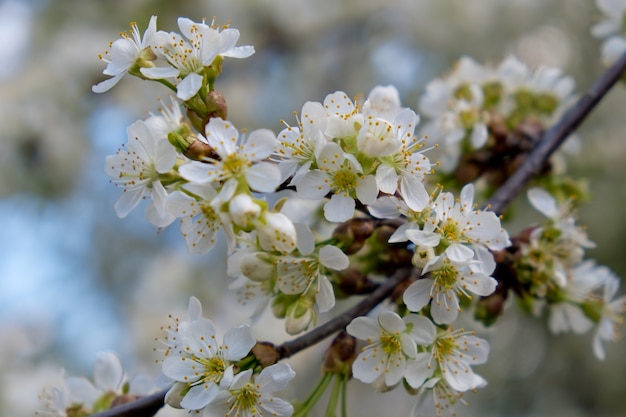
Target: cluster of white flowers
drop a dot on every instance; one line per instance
(207, 377)
(578, 292)
(466, 105)
(413, 348)
(352, 153)
(362, 161)
(78, 397)
(452, 242)
(611, 29)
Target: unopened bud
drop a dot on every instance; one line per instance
(244, 210)
(353, 234)
(176, 394)
(340, 354)
(216, 106)
(265, 353)
(354, 282)
(300, 315)
(276, 232)
(254, 267)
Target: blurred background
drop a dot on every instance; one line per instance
(76, 280)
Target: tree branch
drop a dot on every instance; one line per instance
(383, 291)
(555, 136)
(551, 140)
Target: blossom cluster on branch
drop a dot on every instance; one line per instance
(333, 207)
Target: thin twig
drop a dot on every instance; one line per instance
(554, 137)
(551, 140)
(146, 406)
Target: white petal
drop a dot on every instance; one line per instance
(108, 371)
(275, 378)
(314, 185)
(391, 322)
(423, 331)
(363, 328)
(263, 177)
(325, 298)
(339, 209)
(543, 202)
(367, 367)
(418, 294)
(107, 84)
(479, 135)
(199, 396)
(387, 179)
(414, 193)
(237, 342)
(194, 310)
(332, 257)
(367, 190)
(459, 253)
(418, 370)
(158, 73)
(129, 199)
(189, 86)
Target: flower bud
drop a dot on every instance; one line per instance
(255, 268)
(176, 394)
(216, 106)
(353, 234)
(300, 315)
(276, 233)
(244, 211)
(340, 354)
(422, 255)
(266, 353)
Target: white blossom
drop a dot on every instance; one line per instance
(391, 342)
(245, 395)
(241, 158)
(125, 53)
(136, 169)
(189, 54)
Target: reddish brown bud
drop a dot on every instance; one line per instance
(266, 353)
(199, 151)
(354, 282)
(340, 354)
(354, 233)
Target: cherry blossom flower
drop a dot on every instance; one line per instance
(450, 357)
(612, 315)
(245, 395)
(392, 341)
(126, 53)
(198, 363)
(189, 54)
(240, 158)
(448, 279)
(340, 174)
(611, 29)
(199, 220)
(136, 169)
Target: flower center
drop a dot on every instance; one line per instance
(213, 369)
(451, 231)
(234, 163)
(444, 348)
(345, 180)
(246, 399)
(446, 276)
(390, 343)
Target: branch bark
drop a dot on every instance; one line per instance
(551, 140)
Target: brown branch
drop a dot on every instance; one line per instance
(551, 140)
(316, 335)
(146, 406)
(555, 136)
